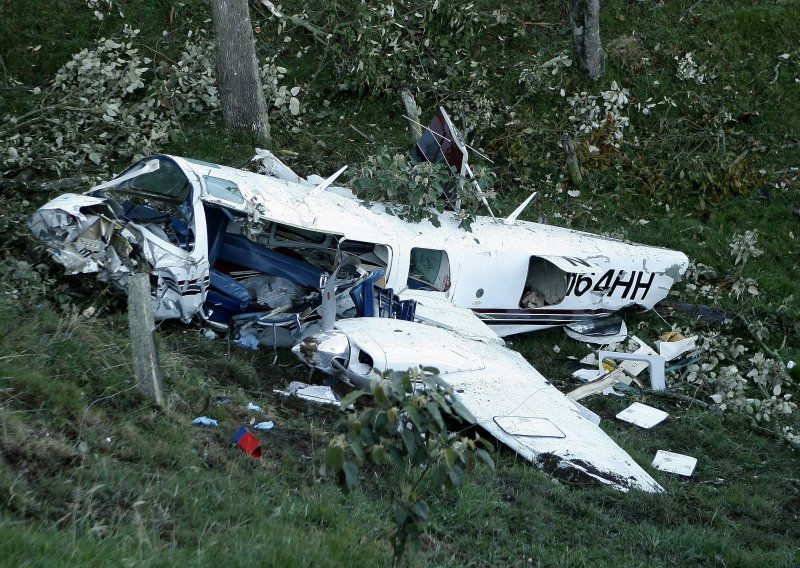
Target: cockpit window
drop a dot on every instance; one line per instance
(167, 182)
(429, 269)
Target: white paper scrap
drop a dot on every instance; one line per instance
(642, 415)
(674, 463)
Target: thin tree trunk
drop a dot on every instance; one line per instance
(241, 94)
(573, 166)
(585, 19)
(413, 114)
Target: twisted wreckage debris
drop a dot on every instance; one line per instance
(354, 291)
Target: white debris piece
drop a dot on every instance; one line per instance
(529, 427)
(674, 463)
(634, 368)
(268, 425)
(670, 350)
(254, 407)
(311, 393)
(598, 339)
(205, 421)
(642, 415)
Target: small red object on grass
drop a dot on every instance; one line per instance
(249, 443)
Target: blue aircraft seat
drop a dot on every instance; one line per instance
(279, 330)
(390, 306)
(363, 295)
(239, 250)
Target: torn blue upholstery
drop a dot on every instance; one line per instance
(239, 250)
(363, 295)
(231, 287)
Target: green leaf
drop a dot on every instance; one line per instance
(408, 386)
(396, 458)
(334, 458)
(415, 418)
(358, 451)
(350, 398)
(456, 475)
(484, 456)
(420, 511)
(451, 457)
(410, 441)
(351, 474)
(400, 515)
(433, 410)
(379, 393)
(379, 456)
(462, 411)
(439, 476)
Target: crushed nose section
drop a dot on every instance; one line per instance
(83, 235)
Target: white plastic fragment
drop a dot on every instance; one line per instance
(634, 368)
(598, 339)
(529, 427)
(268, 425)
(205, 421)
(654, 361)
(586, 375)
(311, 393)
(254, 407)
(670, 350)
(642, 415)
(674, 463)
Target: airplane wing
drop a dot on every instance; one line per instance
(507, 396)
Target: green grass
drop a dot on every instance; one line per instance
(91, 473)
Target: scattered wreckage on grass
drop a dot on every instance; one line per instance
(283, 261)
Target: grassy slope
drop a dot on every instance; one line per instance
(162, 492)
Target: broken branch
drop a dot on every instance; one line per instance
(318, 34)
(573, 166)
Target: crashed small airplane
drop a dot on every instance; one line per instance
(283, 261)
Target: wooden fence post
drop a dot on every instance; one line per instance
(143, 346)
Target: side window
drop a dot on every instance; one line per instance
(429, 269)
(224, 189)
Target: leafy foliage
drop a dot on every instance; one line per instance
(381, 47)
(421, 190)
(405, 430)
(118, 102)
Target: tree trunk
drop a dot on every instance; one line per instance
(585, 19)
(241, 94)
